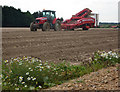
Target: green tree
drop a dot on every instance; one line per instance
(15, 17)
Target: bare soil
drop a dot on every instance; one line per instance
(104, 79)
(72, 46)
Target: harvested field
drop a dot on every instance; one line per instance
(72, 46)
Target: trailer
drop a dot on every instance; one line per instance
(82, 20)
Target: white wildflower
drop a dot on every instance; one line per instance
(20, 63)
(96, 59)
(28, 78)
(25, 86)
(113, 54)
(33, 60)
(23, 82)
(56, 73)
(103, 55)
(0, 76)
(6, 61)
(16, 88)
(20, 78)
(40, 61)
(106, 57)
(40, 86)
(15, 59)
(48, 66)
(40, 64)
(110, 52)
(15, 84)
(34, 79)
(40, 69)
(116, 56)
(11, 62)
(90, 59)
(10, 71)
(27, 73)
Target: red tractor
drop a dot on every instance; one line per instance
(46, 22)
(80, 20)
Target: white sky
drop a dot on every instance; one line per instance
(107, 9)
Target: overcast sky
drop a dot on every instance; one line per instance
(107, 9)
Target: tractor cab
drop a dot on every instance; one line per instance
(49, 14)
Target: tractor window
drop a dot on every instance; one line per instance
(49, 14)
(46, 14)
(53, 14)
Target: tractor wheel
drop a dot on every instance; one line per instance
(57, 26)
(33, 27)
(46, 26)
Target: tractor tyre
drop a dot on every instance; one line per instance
(33, 27)
(57, 26)
(46, 26)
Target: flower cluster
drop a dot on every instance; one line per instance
(27, 70)
(110, 56)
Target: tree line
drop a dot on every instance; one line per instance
(108, 25)
(12, 17)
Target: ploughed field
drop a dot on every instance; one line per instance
(72, 46)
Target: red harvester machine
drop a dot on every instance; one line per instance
(79, 20)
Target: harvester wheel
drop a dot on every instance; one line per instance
(46, 26)
(57, 26)
(84, 28)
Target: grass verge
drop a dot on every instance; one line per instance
(29, 73)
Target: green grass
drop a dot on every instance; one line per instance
(29, 73)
